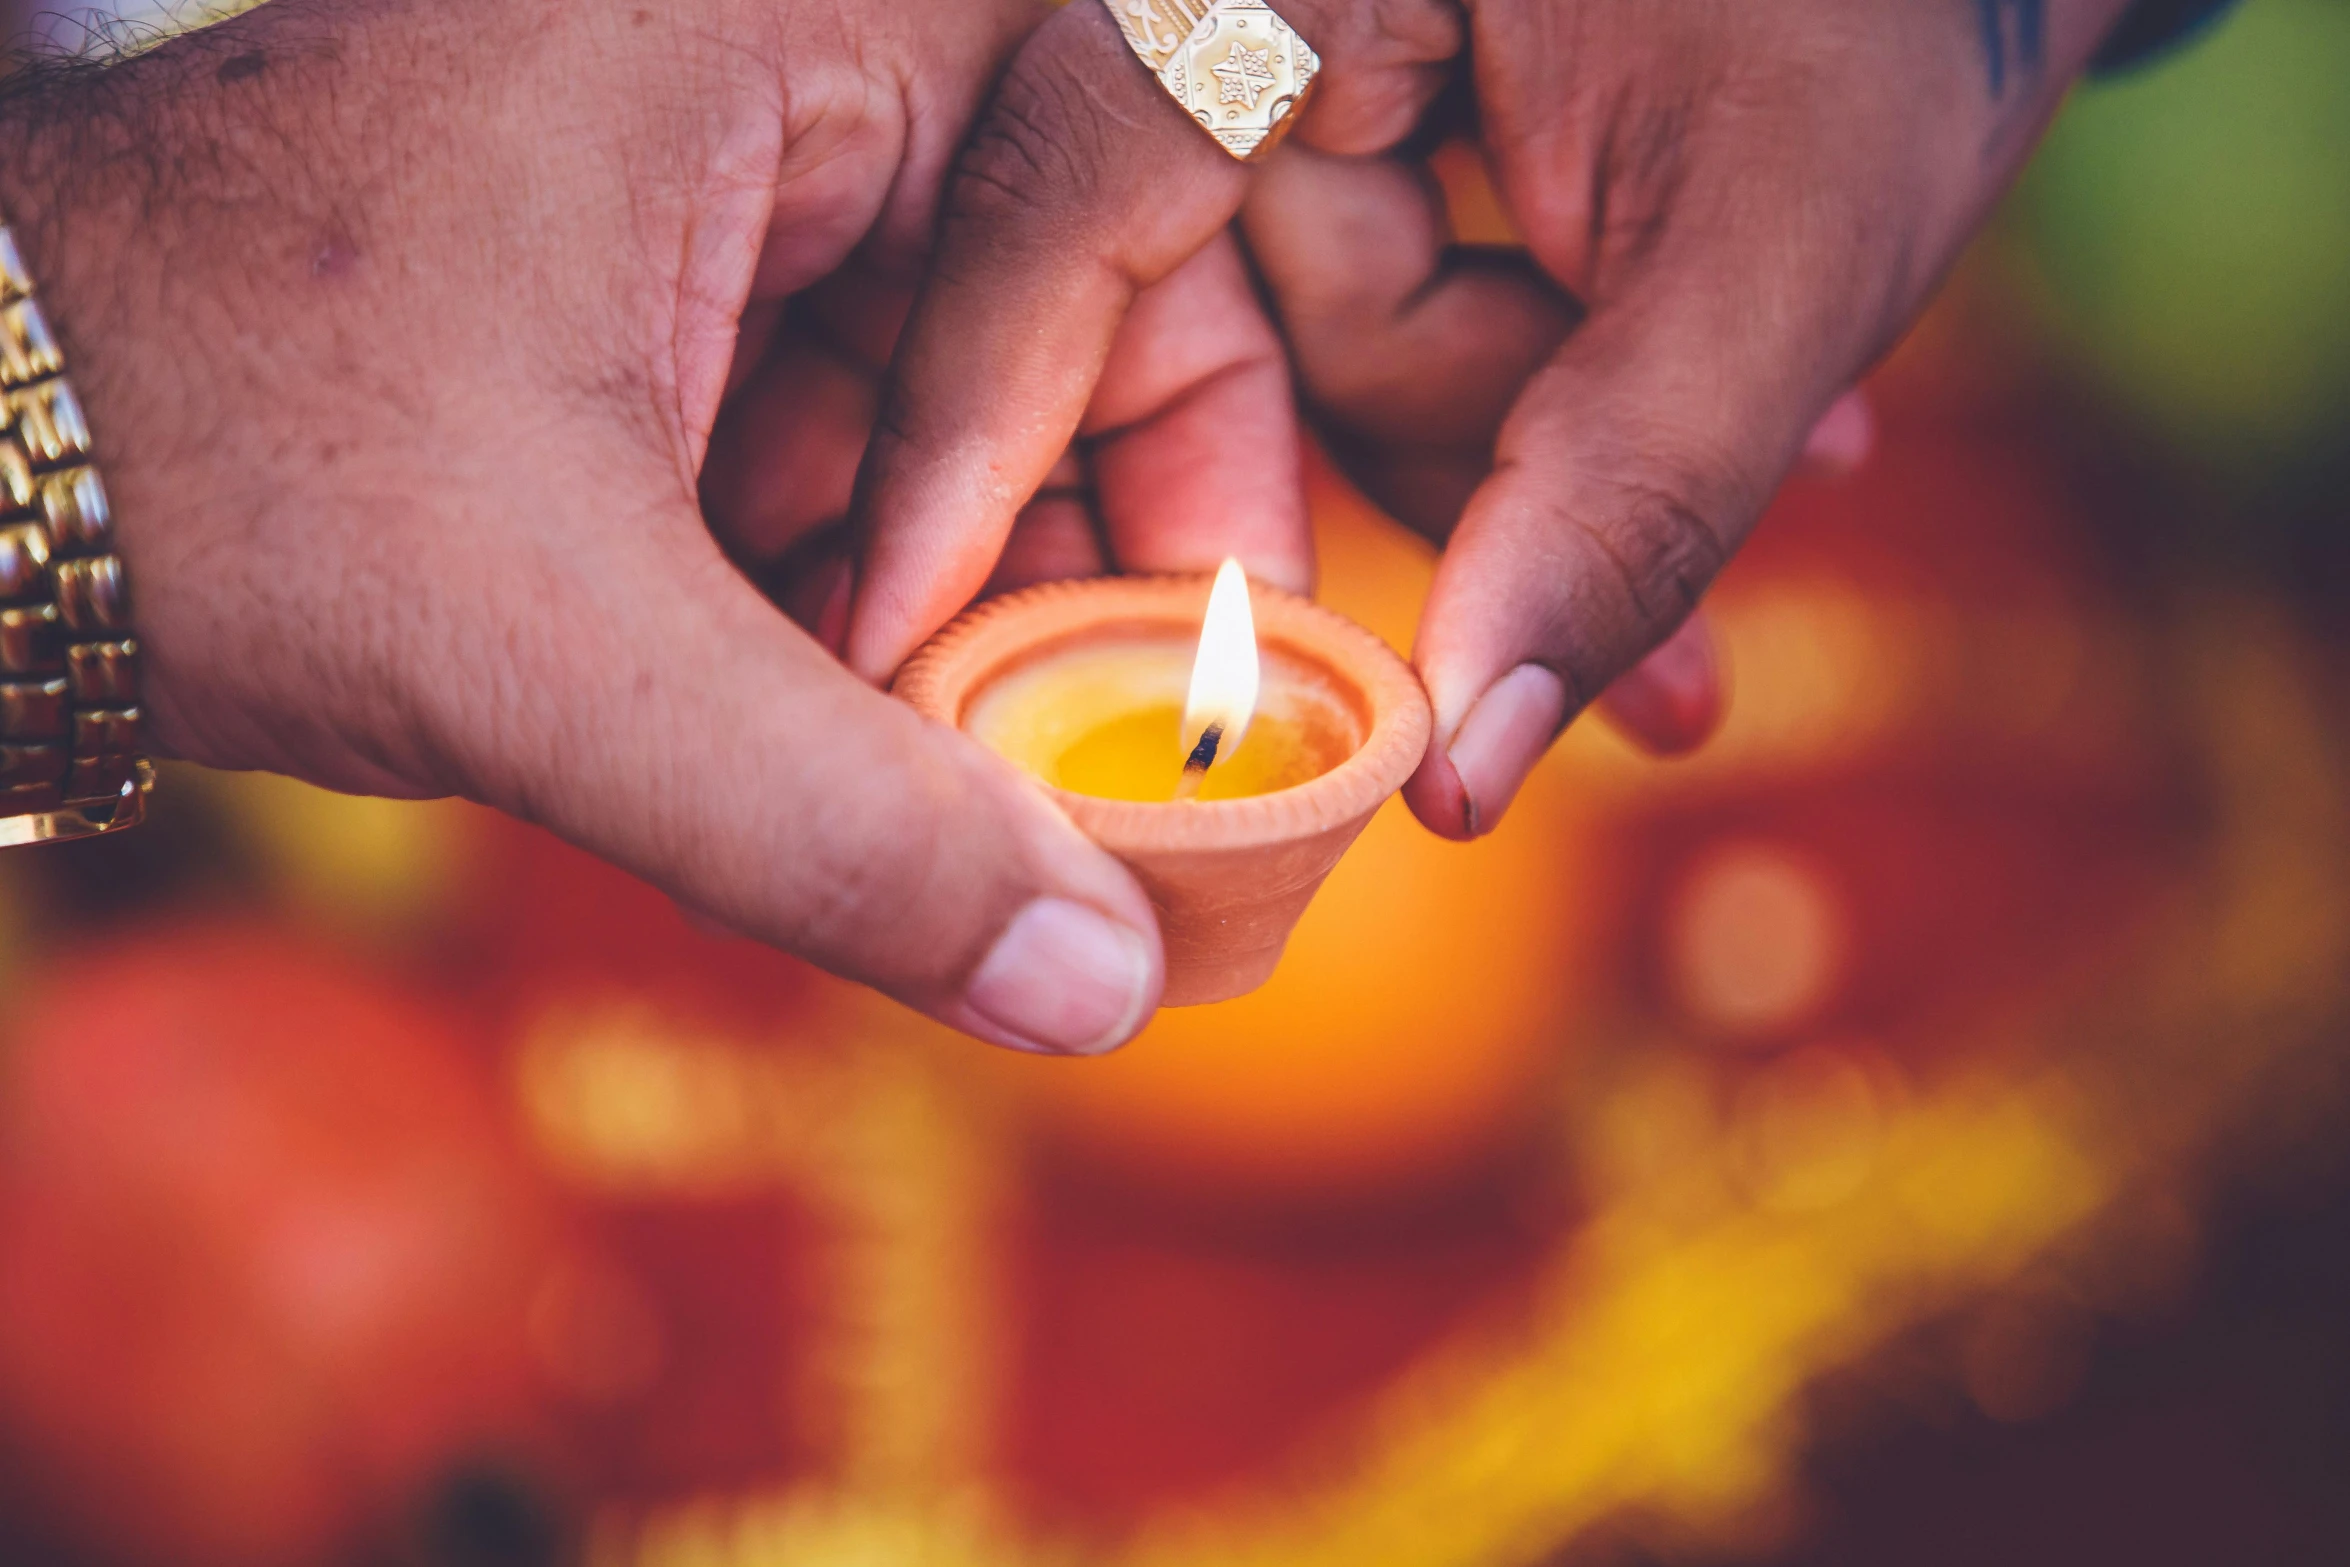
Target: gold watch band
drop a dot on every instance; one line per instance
(69, 667)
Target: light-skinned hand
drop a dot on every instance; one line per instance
(415, 338)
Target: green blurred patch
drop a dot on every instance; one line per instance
(2188, 229)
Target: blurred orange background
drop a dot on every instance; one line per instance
(1900, 1131)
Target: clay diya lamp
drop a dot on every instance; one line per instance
(1227, 764)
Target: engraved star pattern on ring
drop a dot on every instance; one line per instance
(1235, 66)
(1245, 73)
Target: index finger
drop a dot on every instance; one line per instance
(1085, 184)
(1077, 191)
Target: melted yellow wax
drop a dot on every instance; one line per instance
(1108, 722)
(1139, 756)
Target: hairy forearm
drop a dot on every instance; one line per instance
(217, 245)
(163, 200)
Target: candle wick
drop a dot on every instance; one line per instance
(1196, 765)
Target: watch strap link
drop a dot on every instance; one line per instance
(70, 720)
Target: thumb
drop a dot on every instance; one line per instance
(1634, 463)
(688, 732)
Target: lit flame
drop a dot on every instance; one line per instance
(1224, 676)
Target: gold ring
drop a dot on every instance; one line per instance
(1233, 65)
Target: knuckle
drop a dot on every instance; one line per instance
(885, 888)
(1415, 32)
(1035, 155)
(853, 897)
(1612, 179)
(1394, 55)
(1671, 552)
(1373, 36)
(1650, 554)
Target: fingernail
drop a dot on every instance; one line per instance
(1843, 438)
(1064, 978)
(1505, 734)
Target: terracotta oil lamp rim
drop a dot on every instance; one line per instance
(951, 668)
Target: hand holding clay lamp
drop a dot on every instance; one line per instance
(1226, 748)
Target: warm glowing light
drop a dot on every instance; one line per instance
(1224, 675)
(1756, 939)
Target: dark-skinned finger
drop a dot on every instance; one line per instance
(1084, 184)
(1634, 464)
(1410, 350)
(1672, 701)
(1844, 437)
(1397, 331)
